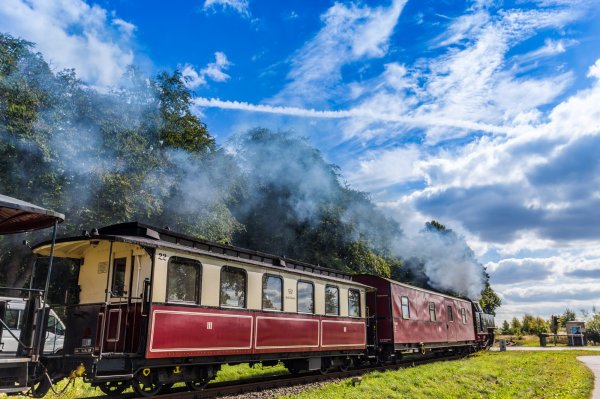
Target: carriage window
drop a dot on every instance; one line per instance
(432, 316)
(118, 276)
(450, 313)
(306, 297)
(332, 300)
(405, 308)
(353, 303)
(464, 315)
(11, 318)
(233, 287)
(272, 289)
(184, 279)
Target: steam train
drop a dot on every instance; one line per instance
(151, 308)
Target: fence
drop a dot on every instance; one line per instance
(563, 339)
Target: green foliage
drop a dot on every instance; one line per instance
(434, 225)
(489, 301)
(506, 328)
(568, 315)
(592, 328)
(180, 128)
(534, 325)
(515, 326)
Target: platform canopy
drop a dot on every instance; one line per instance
(18, 216)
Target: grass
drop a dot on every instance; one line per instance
(497, 375)
(242, 371)
(81, 389)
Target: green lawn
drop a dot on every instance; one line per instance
(495, 375)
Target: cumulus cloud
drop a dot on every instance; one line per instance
(73, 34)
(239, 6)
(214, 71)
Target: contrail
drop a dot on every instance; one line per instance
(413, 120)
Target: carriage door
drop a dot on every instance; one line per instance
(121, 316)
(451, 320)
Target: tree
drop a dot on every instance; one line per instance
(489, 301)
(537, 326)
(506, 327)
(526, 323)
(592, 328)
(568, 315)
(515, 326)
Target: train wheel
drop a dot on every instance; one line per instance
(325, 368)
(346, 364)
(114, 387)
(40, 389)
(197, 385)
(144, 386)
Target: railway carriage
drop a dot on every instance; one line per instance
(152, 307)
(413, 319)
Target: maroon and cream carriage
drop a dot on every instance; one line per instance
(151, 308)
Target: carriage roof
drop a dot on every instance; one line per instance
(152, 237)
(17, 216)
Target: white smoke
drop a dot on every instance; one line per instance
(446, 260)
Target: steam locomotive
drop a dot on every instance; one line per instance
(151, 308)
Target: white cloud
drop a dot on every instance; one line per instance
(349, 33)
(125, 27)
(214, 71)
(73, 34)
(239, 6)
(380, 169)
(594, 71)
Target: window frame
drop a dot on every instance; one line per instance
(359, 302)
(338, 300)
(198, 285)
(432, 316)
(314, 310)
(266, 276)
(463, 314)
(450, 313)
(245, 272)
(405, 316)
(114, 274)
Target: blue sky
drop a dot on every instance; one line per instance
(484, 115)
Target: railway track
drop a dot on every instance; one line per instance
(247, 386)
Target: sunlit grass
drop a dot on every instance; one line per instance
(498, 375)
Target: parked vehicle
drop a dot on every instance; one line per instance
(14, 319)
